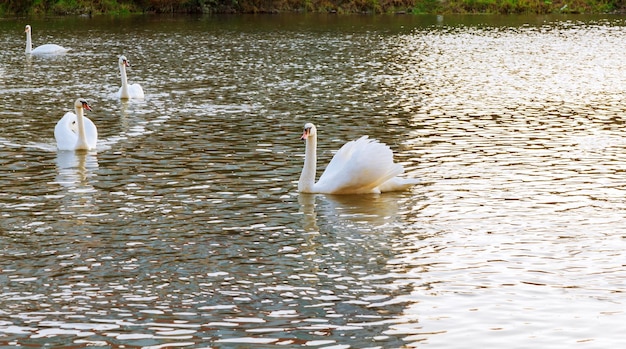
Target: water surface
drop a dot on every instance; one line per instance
(184, 227)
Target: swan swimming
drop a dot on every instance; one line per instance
(47, 49)
(128, 91)
(359, 167)
(75, 131)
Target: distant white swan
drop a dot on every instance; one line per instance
(128, 91)
(75, 131)
(47, 49)
(359, 167)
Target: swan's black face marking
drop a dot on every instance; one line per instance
(309, 130)
(86, 105)
(124, 62)
(305, 133)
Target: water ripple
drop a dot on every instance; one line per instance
(184, 228)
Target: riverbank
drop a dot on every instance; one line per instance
(117, 7)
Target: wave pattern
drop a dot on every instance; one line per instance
(184, 228)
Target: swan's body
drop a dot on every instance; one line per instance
(359, 167)
(47, 49)
(128, 91)
(75, 131)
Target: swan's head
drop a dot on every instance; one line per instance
(27, 30)
(124, 61)
(81, 103)
(309, 130)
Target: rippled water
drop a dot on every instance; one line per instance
(184, 228)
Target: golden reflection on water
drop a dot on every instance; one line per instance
(519, 132)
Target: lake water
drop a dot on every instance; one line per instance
(185, 229)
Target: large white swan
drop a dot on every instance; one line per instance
(75, 131)
(47, 49)
(128, 91)
(359, 167)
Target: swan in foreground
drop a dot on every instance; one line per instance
(75, 131)
(128, 91)
(359, 167)
(47, 49)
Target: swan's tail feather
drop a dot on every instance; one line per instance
(398, 184)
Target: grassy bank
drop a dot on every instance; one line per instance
(93, 7)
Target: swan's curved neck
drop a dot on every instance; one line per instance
(124, 93)
(29, 42)
(307, 177)
(82, 136)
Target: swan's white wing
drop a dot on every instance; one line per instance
(65, 132)
(135, 91)
(360, 166)
(49, 49)
(91, 132)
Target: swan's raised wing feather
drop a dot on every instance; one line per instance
(359, 166)
(65, 132)
(135, 91)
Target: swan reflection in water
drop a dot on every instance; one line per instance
(74, 169)
(76, 173)
(371, 210)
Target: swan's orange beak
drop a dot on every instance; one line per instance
(305, 134)
(86, 106)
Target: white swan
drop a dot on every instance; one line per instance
(75, 131)
(47, 49)
(128, 91)
(359, 167)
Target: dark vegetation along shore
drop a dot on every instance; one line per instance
(93, 7)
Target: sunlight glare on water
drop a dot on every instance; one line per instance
(520, 237)
(184, 227)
